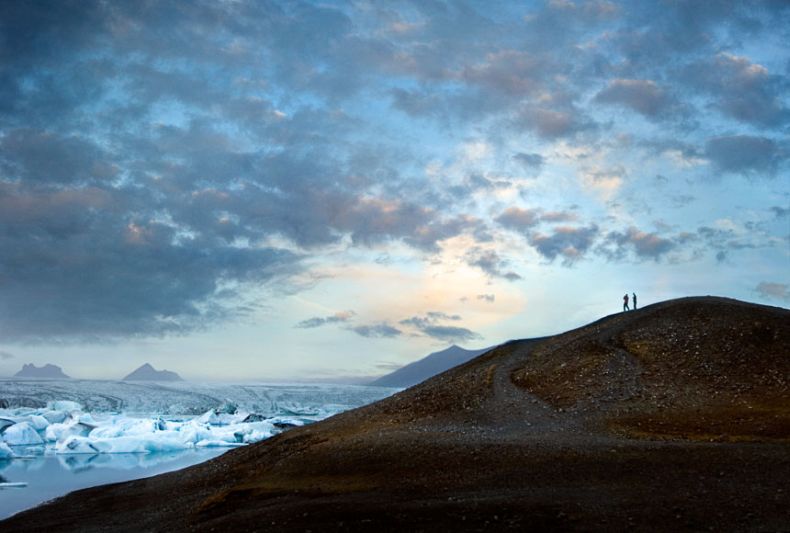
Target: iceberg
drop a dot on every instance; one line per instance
(5, 451)
(22, 434)
(100, 418)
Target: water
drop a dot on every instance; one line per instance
(48, 477)
(57, 436)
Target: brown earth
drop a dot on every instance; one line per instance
(672, 417)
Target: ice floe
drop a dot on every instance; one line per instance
(249, 413)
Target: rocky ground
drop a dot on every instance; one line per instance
(673, 417)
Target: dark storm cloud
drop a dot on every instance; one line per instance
(337, 318)
(382, 330)
(744, 154)
(643, 245)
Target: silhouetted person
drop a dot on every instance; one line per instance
(633, 297)
(625, 302)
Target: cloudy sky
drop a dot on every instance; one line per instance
(310, 190)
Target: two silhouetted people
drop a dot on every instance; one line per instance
(625, 301)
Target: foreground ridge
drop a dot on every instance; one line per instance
(672, 417)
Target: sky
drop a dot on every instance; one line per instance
(253, 190)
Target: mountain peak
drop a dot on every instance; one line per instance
(146, 372)
(48, 371)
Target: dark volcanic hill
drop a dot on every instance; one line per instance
(47, 371)
(673, 417)
(427, 367)
(149, 373)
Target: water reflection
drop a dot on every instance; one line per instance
(34, 478)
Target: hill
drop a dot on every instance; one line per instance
(148, 373)
(427, 367)
(673, 417)
(47, 371)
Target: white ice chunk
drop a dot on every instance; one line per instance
(75, 445)
(38, 422)
(59, 432)
(64, 405)
(22, 434)
(54, 417)
(209, 417)
(5, 451)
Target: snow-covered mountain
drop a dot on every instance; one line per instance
(47, 371)
(149, 373)
(427, 367)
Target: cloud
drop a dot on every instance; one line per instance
(6, 356)
(339, 317)
(642, 244)
(160, 165)
(530, 161)
(643, 96)
(552, 122)
(486, 297)
(524, 220)
(781, 212)
(741, 89)
(427, 325)
(491, 263)
(773, 291)
(570, 243)
(744, 154)
(382, 330)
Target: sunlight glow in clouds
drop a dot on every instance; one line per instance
(286, 190)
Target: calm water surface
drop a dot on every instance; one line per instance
(51, 476)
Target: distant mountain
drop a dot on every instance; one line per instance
(427, 367)
(46, 371)
(149, 373)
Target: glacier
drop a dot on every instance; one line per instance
(60, 417)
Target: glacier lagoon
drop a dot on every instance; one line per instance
(57, 436)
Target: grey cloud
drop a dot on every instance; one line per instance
(742, 89)
(6, 356)
(552, 122)
(382, 330)
(780, 212)
(428, 325)
(41, 156)
(773, 291)
(643, 96)
(744, 154)
(451, 333)
(486, 297)
(524, 220)
(314, 322)
(438, 315)
(570, 243)
(518, 219)
(644, 245)
(530, 160)
(491, 263)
